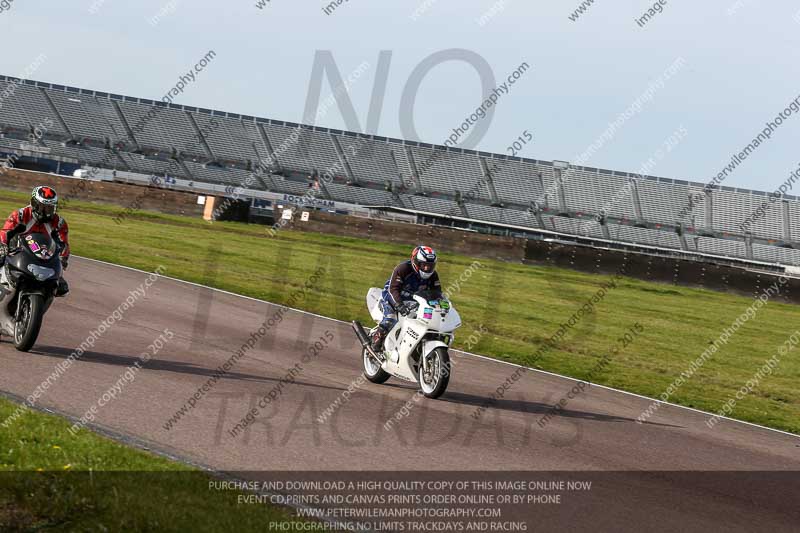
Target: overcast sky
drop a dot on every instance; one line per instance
(739, 70)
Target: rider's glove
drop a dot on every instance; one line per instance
(403, 309)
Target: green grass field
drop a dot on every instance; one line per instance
(518, 306)
(51, 480)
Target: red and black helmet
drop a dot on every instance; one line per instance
(44, 204)
(423, 260)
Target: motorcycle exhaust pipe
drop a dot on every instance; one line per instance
(363, 338)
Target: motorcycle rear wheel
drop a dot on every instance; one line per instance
(26, 330)
(372, 369)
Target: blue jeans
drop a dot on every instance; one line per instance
(389, 316)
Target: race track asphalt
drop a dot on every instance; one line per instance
(664, 470)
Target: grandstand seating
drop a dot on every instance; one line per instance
(84, 123)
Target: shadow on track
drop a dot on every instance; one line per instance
(163, 365)
(526, 407)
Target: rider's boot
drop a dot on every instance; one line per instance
(377, 346)
(63, 288)
(377, 340)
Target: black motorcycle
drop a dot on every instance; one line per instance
(28, 284)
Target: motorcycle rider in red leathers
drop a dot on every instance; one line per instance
(40, 217)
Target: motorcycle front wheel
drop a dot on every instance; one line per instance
(434, 382)
(26, 329)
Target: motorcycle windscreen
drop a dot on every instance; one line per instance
(374, 296)
(451, 321)
(41, 245)
(436, 322)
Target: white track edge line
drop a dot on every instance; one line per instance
(478, 356)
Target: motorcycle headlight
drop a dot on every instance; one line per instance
(41, 273)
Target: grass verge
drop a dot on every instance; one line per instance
(55, 481)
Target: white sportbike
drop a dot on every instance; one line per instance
(416, 349)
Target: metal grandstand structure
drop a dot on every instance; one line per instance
(99, 129)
